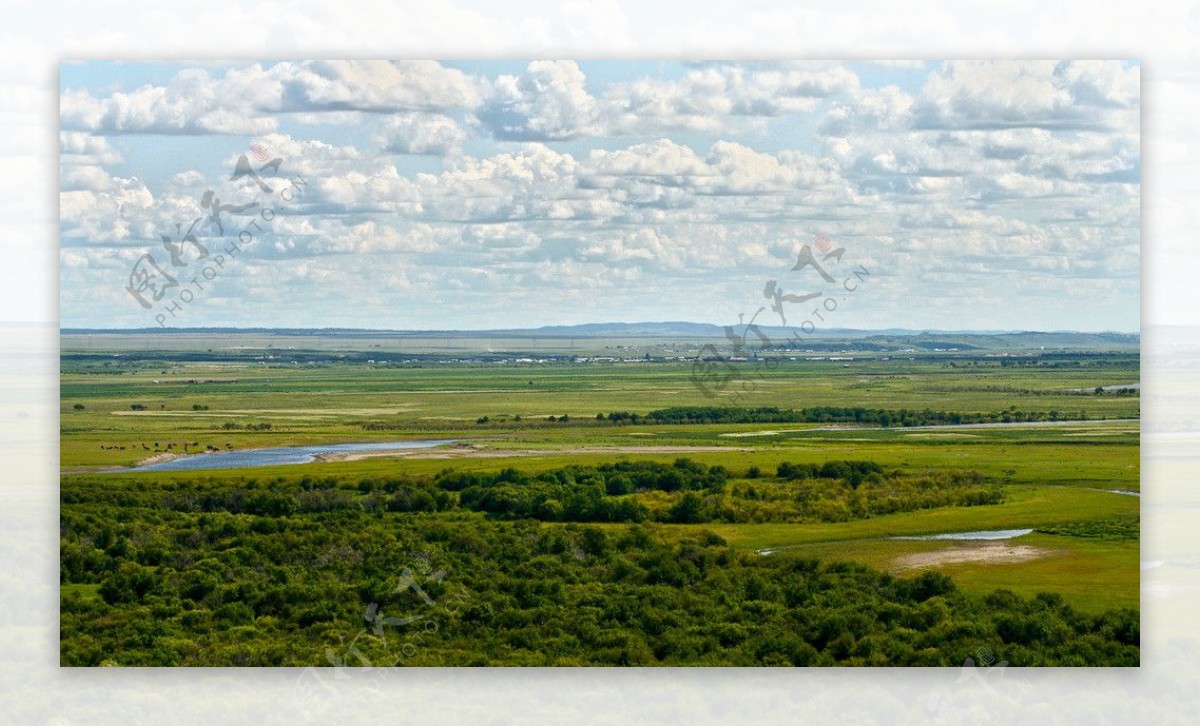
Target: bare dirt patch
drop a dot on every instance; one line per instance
(162, 457)
(762, 433)
(988, 553)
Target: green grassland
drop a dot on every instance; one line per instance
(1053, 475)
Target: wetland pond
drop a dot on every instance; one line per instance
(972, 535)
(239, 458)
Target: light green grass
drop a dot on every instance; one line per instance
(1049, 472)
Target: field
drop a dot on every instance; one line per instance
(744, 472)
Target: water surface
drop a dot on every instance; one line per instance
(971, 535)
(238, 458)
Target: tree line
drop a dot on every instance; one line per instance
(831, 415)
(144, 585)
(683, 491)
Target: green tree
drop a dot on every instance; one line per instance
(689, 509)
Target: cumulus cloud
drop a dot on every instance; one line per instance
(370, 85)
(548, 101)
(246, 100)
(467, 190)
(302, 237)
(709, 97)
(191, 104)
(430, 134)
(1025, 94)
(83, 159)
(122, 210)
(662, 160)
(868, 110)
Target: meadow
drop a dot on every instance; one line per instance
(546, 502)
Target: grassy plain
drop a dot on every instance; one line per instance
(121, 405)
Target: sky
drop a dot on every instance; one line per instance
(503, 194)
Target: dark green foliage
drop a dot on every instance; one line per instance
(837, 469)
(579, 493)
(827, 415)
(286, 572)
(689, 509)
(518, 593)
(1116, 528)
(838, 490)
(834, 491)
(260, 427)
(623, 417)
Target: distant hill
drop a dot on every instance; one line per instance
(892, 339)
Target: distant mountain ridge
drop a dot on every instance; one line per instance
(655, 328)
(876, 339)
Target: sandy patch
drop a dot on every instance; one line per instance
(162, 457)
(763, 433)
(989, 553)
(90, 469)
(1099, 434)
(836, 439)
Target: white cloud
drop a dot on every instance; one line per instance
(868, 110)
(632, 184)
(121, 211)
(710, 97)
(246, 100)
(741, 170)
(191, 104)
(372, 86)
(82, 158)
(1045, 94)
(662, 159)
(548, 101)
(432, 134)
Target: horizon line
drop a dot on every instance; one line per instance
(351, 329)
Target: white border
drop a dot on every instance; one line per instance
(33, 689)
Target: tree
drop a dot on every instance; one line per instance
(549, 511)
(618, 484)
(687, 510)
(595, 542)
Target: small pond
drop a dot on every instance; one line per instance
(971, 535)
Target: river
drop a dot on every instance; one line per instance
(239, 458)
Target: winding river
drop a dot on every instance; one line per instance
(239, 458)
